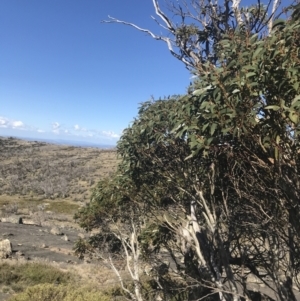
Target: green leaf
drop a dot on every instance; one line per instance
(231, 64)
(213, 128)
(209, 141)
(250, 74)
(253, 38)
(294, 117)
(256, 52)
(295, 99)
(278, 22)
(225, 131)
(201, 91)
(274, 108)
(296, 86)
(204, 127)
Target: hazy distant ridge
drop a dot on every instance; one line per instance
(66, 142)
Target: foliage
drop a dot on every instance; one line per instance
(26, 274)
(51, 292)
(196, 26)
(210, 180)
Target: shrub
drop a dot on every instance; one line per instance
(52, 292)
(20, 276)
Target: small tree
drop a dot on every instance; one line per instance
(217, 169)
(115, 209)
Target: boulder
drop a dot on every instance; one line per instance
(5, 249)
(56, 231)
(65, 237)
(13, 219)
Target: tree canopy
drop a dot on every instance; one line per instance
(208, 183)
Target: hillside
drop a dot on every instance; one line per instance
(34, 173)
(45, 184)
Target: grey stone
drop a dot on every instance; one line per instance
(56, 231)
(13, 219)
(5, 249)
(65, 237)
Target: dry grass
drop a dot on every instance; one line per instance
(33, 174)
(41, 280)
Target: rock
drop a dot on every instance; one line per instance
(65, 237)
(13, 219)
(44, 246)
(81, 235)
(28, 221)
(5, 249)
(56, 231)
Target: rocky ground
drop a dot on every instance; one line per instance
(44, 185)
(53, 245)
(49, 243)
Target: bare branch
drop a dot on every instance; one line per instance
(111, 263)
(276, 4)
(203, 23)
(163, 16)
(236, 10)
(167, 40)
(114, 20)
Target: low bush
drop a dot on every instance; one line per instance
(20, 276)
(52, 292)
(42, 282)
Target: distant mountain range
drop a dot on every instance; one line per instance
(67, 142)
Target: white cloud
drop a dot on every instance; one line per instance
(17, 124)
(11, 124)
(3, 122)
(59, 129)
(92, 133)
(56, 128)
(111, 134)
(80, 129)
(55, 125)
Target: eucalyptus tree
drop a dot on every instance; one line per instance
(227, 159)
(213, 175)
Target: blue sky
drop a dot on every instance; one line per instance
(65, 75)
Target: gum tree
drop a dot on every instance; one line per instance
(217, 169)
